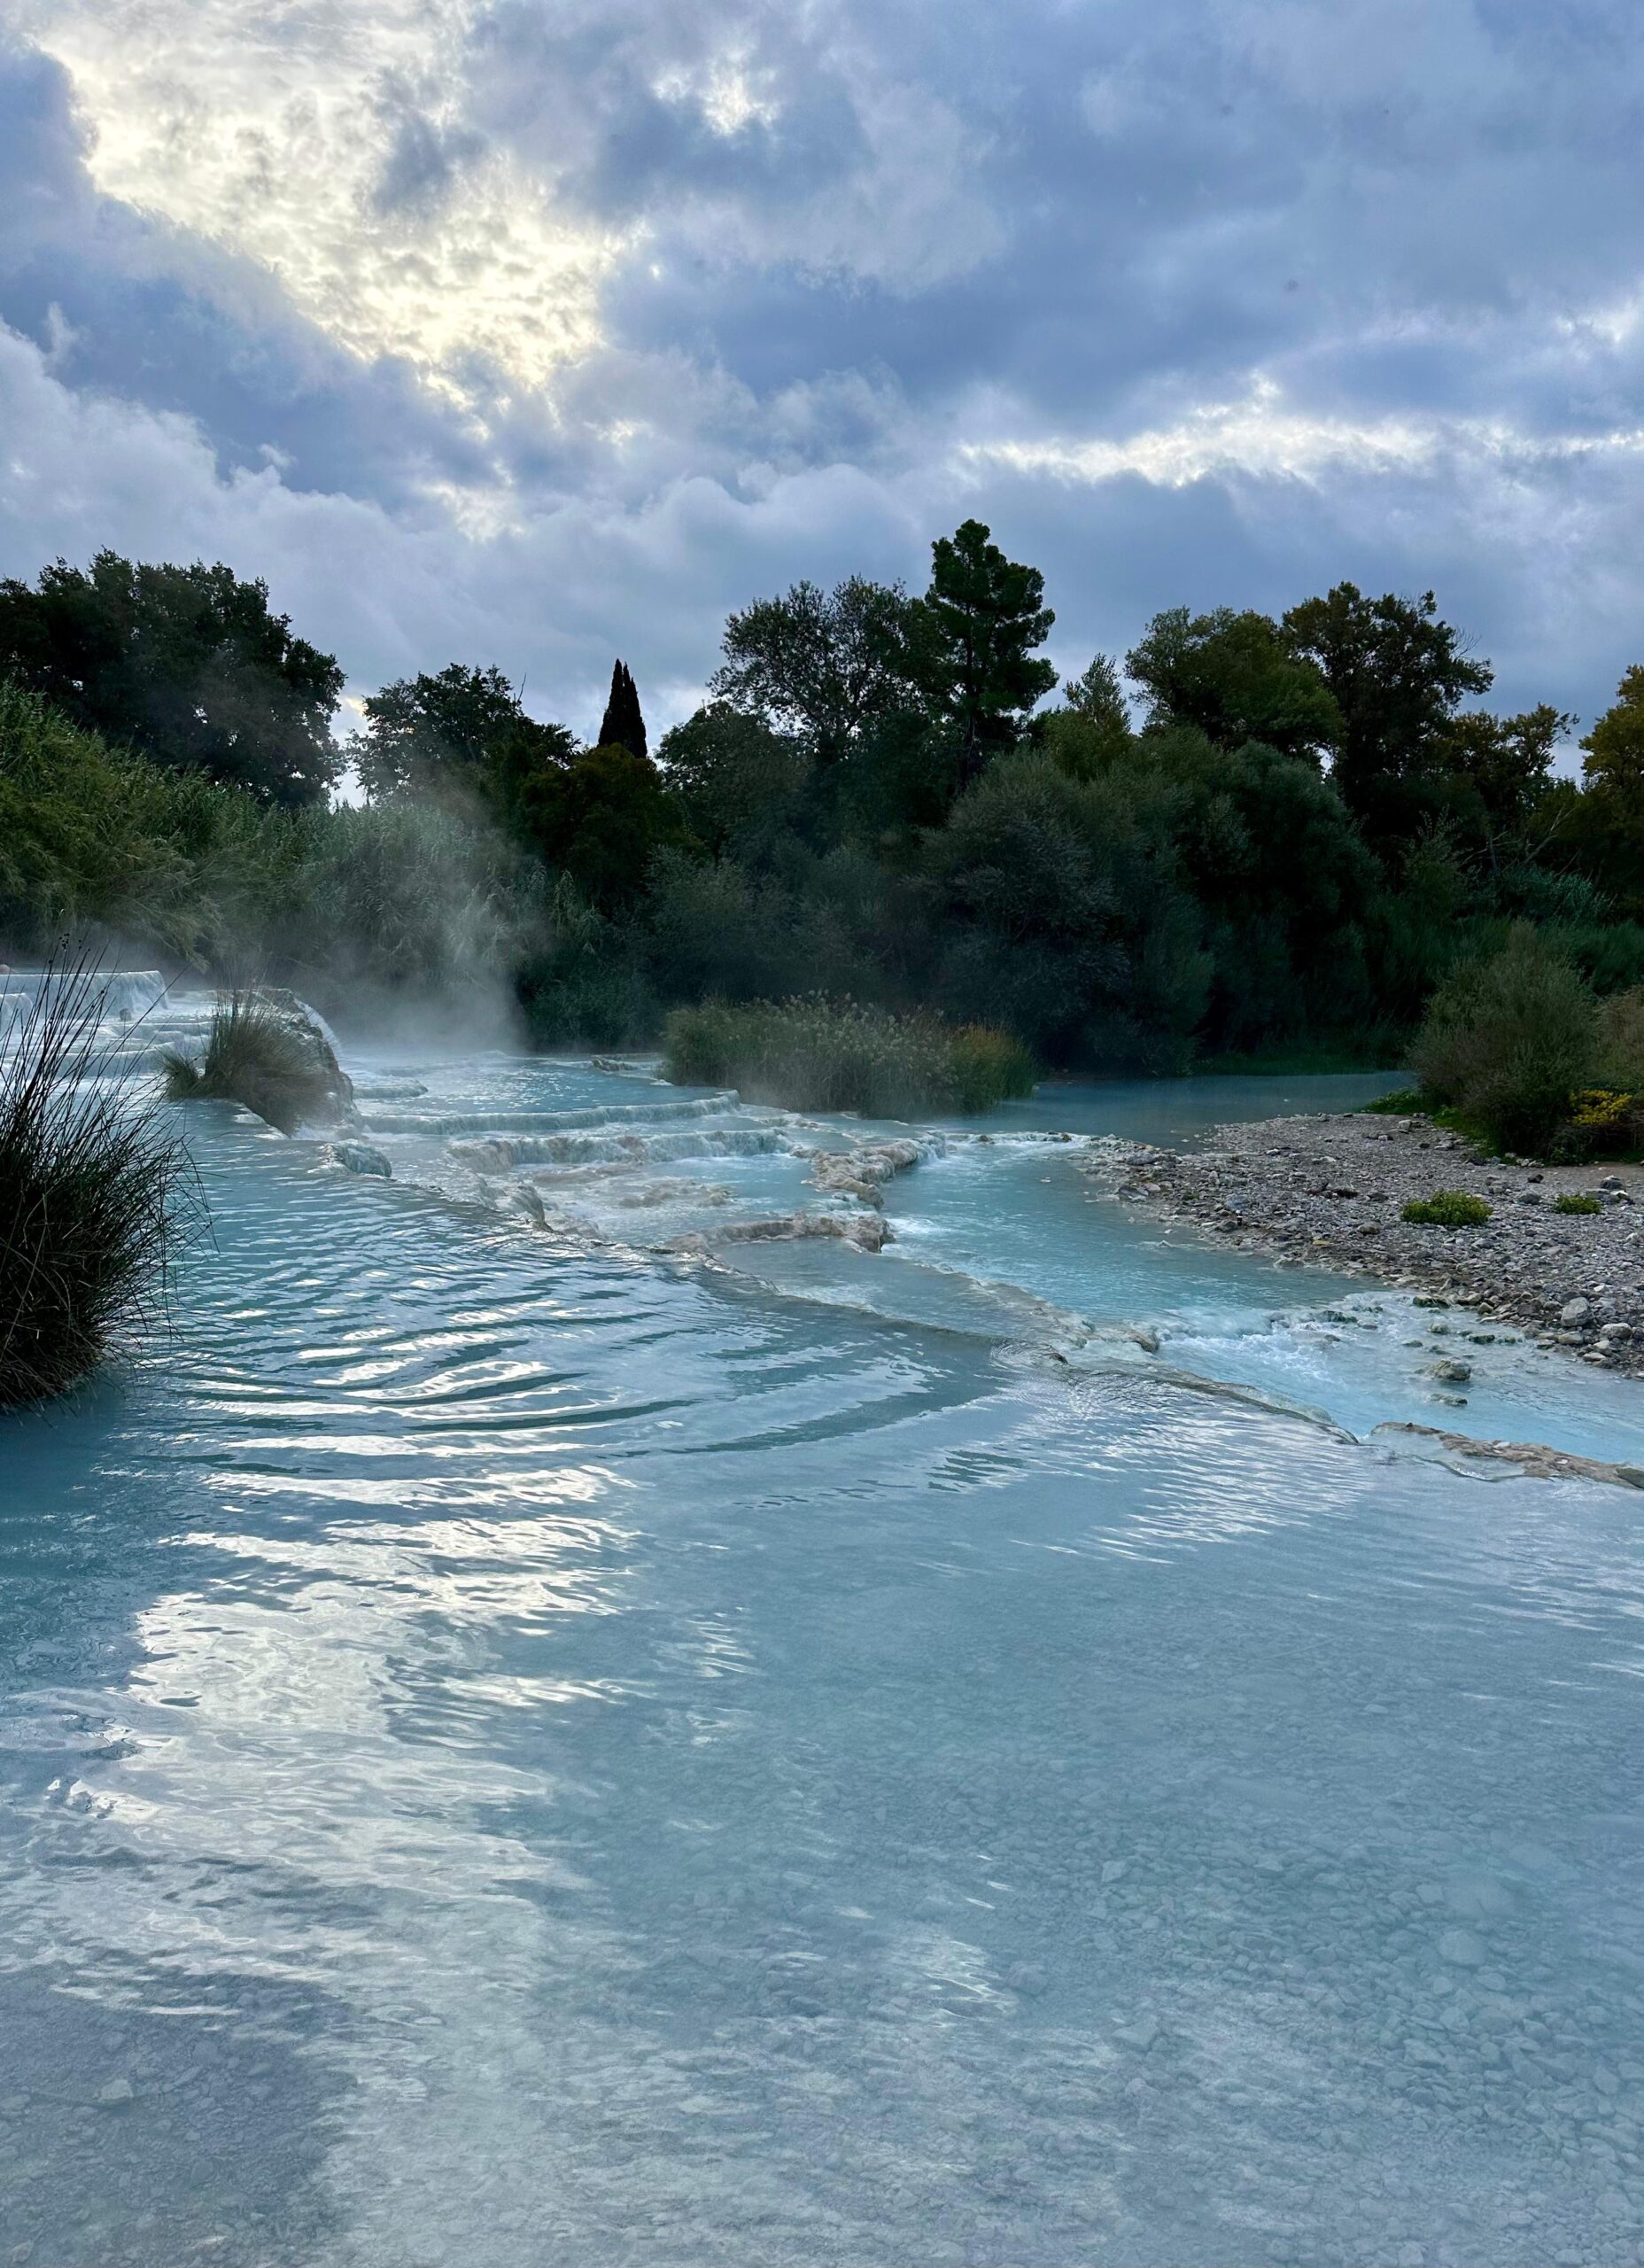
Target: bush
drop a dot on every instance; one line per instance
(1577, 1201)
(266, 1058)
(1506, 1040)
(817, 1054)
(1447, 1209)
(1404, 1102)
(1621, 1040)
(95, 1194)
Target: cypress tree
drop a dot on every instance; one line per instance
(623, 725)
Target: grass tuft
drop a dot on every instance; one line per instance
(1577, 1201)
(1447, 1209)
(96, 1194)
(256, 1056)
(820, 1054)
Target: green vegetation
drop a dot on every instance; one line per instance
(257, 1055)
(1506, 1040)
(1303, 836)
(409, 900)
(1447, 1209)
(817, 1054)
(185, 663)
(1403, 1102)
(1577, 1200)
(95, 1196)
(1513, 1046)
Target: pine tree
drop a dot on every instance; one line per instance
(623, 725)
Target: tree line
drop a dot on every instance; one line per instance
(1303, 824)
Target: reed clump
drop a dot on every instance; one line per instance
(97, 1195)
(256, 1056)
(820, 1054)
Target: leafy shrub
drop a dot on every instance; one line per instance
(1447, 1209)
(1506, 1040)
(264, 1059)
(1601, 1108)
(1404, 1102)
(1621, 1040)
(95, 1195)
(818, 1054)
(1577, 1200)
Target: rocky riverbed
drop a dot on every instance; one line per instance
(1331, 1189)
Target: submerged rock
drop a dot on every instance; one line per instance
(868, 1231)
(1450, 1372)
(358, 1157)
(312, 1044)
(863, 1173)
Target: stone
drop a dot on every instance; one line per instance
(1462, 1949)
(114, 2091)
(360, 1157)
(1574, 1312)
(1450, 1372)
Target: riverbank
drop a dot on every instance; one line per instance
(1330, 1189)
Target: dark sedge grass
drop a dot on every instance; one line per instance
(97, 1194)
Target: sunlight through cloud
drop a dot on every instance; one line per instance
(325, 148)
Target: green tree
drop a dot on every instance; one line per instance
(186, 664)
(973, 639)
(601, 819)
(1093, 728)
(1063, 917)
(1614, 749)
(739, 783)
(1236, 678)
(1397, 675)
(1497, 768)
(437, 733)
(1604, 824)
(818, 665)
(623, 725)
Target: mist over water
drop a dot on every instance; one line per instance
(542, 1727)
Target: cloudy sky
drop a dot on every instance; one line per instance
(534, 331)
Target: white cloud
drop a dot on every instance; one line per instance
(268, 133)
(551, 595)
(1265, 438)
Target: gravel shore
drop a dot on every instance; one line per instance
(1329, 1190)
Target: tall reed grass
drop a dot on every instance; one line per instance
(820, 1054)
(258, 1057)
(97, 1194)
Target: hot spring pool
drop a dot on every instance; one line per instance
(522, 1745)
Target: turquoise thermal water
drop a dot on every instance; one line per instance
(517, 1744)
